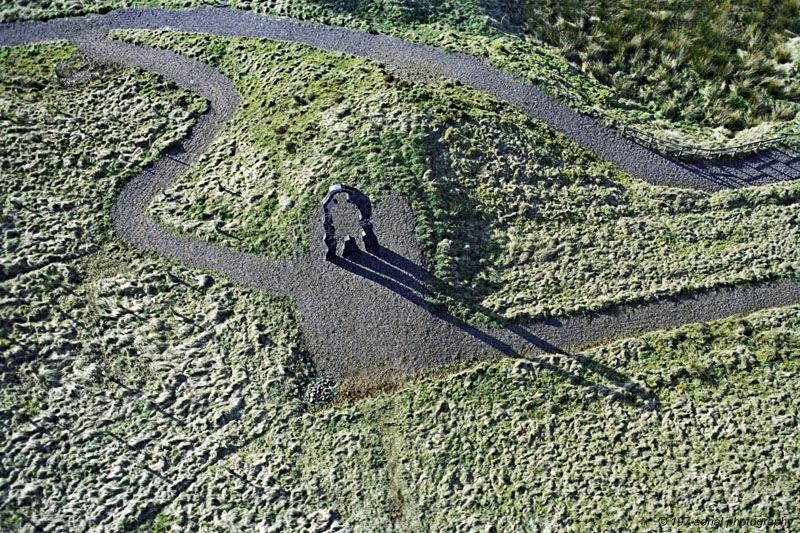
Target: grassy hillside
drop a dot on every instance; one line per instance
(710, 73)
(715, 63)
(138, 394)
(692, 422)
(122, 375)
(63, 158)
(516, 218)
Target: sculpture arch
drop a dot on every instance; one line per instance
(354, 196)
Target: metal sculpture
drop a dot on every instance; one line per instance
(354, 196)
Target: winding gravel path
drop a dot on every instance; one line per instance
(366, 317)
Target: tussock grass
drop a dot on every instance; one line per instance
(720, 62)
(709, 73)
(518, 222)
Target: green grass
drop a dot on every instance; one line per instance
(140, 394)
(123, 374)
(581, 442)
(49, 142)
(718, 64)
(518, 221)
(711, 74)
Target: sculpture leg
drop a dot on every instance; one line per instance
(350, 246)
(330, 232)
(370, 240)
(330, 248)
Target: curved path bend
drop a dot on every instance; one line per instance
(365, 318)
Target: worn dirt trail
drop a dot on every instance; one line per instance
(365, 317)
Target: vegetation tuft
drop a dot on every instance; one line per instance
(707, 73)
(518, 221)
(718, 64)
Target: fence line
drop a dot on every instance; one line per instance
(688, 151)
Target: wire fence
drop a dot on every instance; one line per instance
(685, 151)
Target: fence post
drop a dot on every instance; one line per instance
(651, 141)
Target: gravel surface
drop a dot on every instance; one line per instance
(366, 316)
(429, 62)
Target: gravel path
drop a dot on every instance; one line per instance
(366, 317)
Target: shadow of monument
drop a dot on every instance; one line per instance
(413, 283)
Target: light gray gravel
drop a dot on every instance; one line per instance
(366, 317)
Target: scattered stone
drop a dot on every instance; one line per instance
(320, 391)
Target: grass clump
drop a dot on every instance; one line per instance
(515, 219)
(710, 74)
(53, 135)
(568, 442)
(717, 64)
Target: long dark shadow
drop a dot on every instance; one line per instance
(775, 165)
(405, 278)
